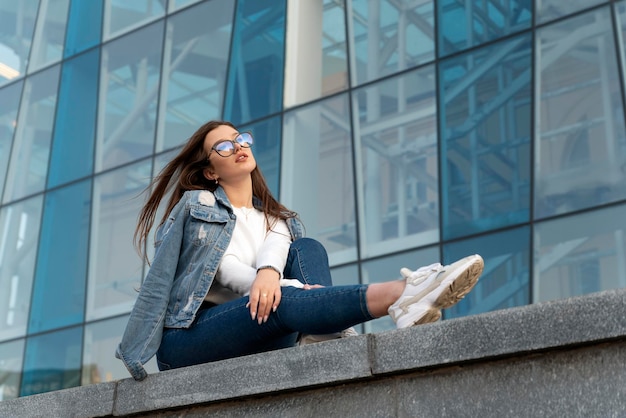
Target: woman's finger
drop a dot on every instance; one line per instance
(277, 297)
(252, 309)
(264, 306)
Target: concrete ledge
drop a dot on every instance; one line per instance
(584, 382)
(532, 328)
(564, 358)
(83, 401)
(316, 364)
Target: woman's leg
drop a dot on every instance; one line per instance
(307, 261)
(227, 330)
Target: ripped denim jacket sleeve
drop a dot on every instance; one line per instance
(142, 336)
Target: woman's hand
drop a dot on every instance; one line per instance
(265, 294)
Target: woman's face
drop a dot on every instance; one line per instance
(233, 167)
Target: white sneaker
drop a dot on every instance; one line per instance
(311, 338)
(432, 288)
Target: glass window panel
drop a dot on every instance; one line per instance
(49, 37)
(552, 9)
(255, 78)
(31, 147)
(59, 291)
(194, 70)
(317, 62)
(387, 269)
(11, 358)
(122, 15)
(17, 24)
(179, 4)
(74, 133)
(580, 149)
(620, 15)
(84, 25)
(504, 282)
(485, 130)
(465, 24)
(129, 85)
(19, 232)
(345, 275)
(580, 254)
(9, 102)
(266, 149)
(390, 36)
(317, 179)
(52, 361)
(161, 160)
(101, 339)
(396, 137)
(115, 268)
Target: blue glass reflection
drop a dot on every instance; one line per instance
(267, 140)
(9, 102)
(84, 26)
(30, 155)
(17, 24)
(52, 362)
(194, 71)
(579, 254)
(397, 140)
(123, 15)
(580, 142)
(11, 360)
(485, 121)
(74, 132)
(504, 283)
(129, 95)
(554, 9)
(318, 158)
(389, 36)
(59, 289)
(19, 229)
(462, 25)
(255, 79)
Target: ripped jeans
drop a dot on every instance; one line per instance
(227, 330)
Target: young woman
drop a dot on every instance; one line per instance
(232, 274)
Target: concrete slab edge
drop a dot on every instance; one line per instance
(564, 323)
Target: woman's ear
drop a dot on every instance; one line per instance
(209, 174)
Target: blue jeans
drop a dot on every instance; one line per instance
(227, 330)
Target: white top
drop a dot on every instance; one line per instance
(251, 247)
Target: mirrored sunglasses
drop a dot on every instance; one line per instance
(226, 147)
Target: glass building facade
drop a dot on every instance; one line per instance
(402, 132)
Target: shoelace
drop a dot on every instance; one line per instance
(421, 274)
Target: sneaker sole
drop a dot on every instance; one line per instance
(432, 315)
(451, 293)
(461, 285)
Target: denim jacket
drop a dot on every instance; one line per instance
(188, 249)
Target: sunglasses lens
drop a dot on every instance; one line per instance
(245, 139)
(224, 147)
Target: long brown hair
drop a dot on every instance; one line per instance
(185, 172)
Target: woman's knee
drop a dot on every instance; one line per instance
(308, 262)
(309, 245)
